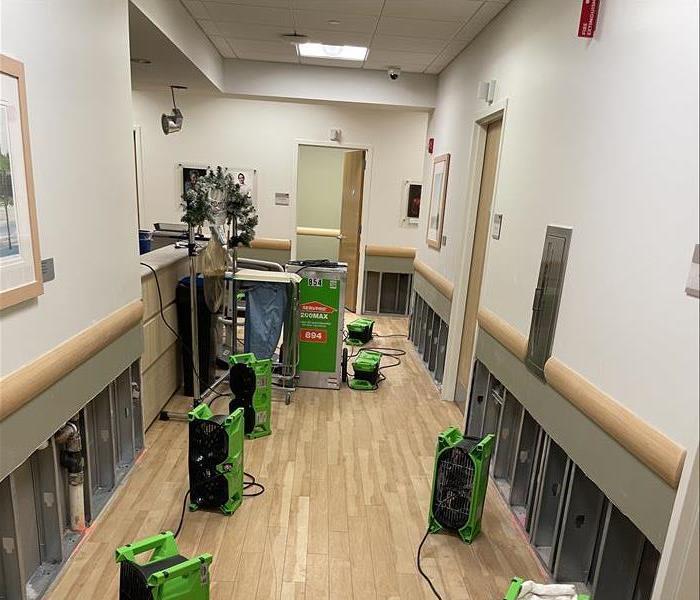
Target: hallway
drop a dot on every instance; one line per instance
(347, 477)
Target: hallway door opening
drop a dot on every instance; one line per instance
(330, 184)
(478, 260)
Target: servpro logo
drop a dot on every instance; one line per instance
(316, 308)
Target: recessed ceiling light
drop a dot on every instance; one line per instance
(141, 61)
(333, 22)
(314, 50)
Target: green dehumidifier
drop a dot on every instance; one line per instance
(360, 331)
(365, 370)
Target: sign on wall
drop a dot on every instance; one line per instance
(589, 18)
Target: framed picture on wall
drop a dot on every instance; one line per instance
(246, 178)
(20, 259)
(190, 174)
(438, 196)
(411, 202)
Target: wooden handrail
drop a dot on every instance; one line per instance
(658, 452)
(23, 385)
(440, 283)
(390, 251)
(318, 232)
(514, 341)
(271, 244)
(654, 449)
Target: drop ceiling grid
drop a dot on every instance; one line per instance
(421, 36)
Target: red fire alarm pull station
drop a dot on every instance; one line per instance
(431, 143)
(589, 18)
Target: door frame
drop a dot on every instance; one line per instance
(480, 122)
(138, 173)
(366, 190)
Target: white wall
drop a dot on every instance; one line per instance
(327, 84)
(76, 58)
(602, 136)
(176, 23)
(263, 135)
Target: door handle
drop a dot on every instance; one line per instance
(538, 298)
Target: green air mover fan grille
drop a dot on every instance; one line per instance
(242, 380)
(459, 483)
(453, 488)
(215, 459)
(208, 442)
(211, 491)
(132, 582)
(251, 383)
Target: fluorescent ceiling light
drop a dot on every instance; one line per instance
(314, 50)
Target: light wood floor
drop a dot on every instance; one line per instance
(347, 477)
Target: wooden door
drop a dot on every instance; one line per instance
(478, 257)
(351, 221)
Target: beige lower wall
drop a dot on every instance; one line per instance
(435, 299)
(24, 430)
(634, 488)
(161, 370)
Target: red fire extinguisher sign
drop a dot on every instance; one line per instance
(589, 18)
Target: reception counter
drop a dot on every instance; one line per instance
(161, 366)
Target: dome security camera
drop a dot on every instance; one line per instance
(394, 73)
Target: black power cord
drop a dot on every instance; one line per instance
(246, 485)
(184, 346)
(424, 575)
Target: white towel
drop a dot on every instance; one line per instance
(538, 591)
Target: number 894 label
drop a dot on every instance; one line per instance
(317, 336)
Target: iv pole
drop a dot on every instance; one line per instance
(166, 415)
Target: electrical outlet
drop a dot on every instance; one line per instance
(47, 270)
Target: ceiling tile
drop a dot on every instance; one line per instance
(439, 30)
(267, 3)
(270, 51)
(196, 8)
(354, 7)
(318, 20)
(249, 14)
(482, 18)
(452, 50)
(252, 31)
(390, 58)
(407, 44)
(405, 68)
(222, 46)
(209, 27)
(441, 10)
(327, 62)
(338, 38)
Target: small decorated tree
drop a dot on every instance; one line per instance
(218, 194)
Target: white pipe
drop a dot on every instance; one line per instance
(76, 501)
(72, 461)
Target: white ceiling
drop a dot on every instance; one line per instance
(421, 36)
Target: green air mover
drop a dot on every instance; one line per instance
(166, 575)
(216, 459)
(251, 383)
(360, 332)
(459, 483)
(366, 370)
